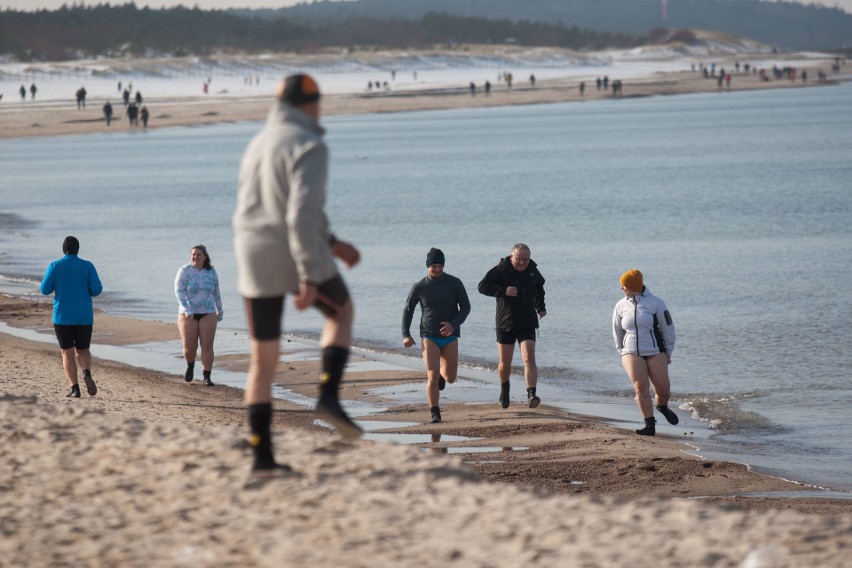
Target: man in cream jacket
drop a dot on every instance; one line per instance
(284, 246)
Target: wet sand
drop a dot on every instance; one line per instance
(155, 471)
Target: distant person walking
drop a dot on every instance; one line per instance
(73, 283)
(23, 91)
(518, 286)
(143, 113)
(283, 245)
(33, 90)
(133, 114)
(138, 97)
(444, 306)
(81, 98)
(107, 113)
(199, 311)
(644, 335)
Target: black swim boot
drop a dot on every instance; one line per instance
(329, 409)
(328, 406)
(436, 414)
(532, 399)
(207, 380)
(504, 394)
(260, 419)
(650, 427)
(90, 383)
(668, 413)
(190, 372)
(74, 392)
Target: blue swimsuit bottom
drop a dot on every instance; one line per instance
(441, 342)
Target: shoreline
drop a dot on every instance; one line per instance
(548, 449)
(57, 118)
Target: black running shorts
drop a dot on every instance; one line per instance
(264, 314)
(79, 336)
(510, 336)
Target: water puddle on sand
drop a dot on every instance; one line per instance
(413, 438)
(373, 431)
(376, 425)
(421, 439)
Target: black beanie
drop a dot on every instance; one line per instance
(70, 245)
(434, 256)
(299, 90)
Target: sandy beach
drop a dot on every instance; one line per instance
(51, 118)
(154, 471)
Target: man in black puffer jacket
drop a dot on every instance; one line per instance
(519, 288)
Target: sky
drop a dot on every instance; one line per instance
(222, 4)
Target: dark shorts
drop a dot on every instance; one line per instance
(79, 336)
(510, 336)
(264, 314)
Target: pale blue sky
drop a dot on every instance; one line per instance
(221, 4)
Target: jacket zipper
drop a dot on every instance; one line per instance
(636, 322)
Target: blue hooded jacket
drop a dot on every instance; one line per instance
(75, 281)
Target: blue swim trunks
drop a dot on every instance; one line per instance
(441, 342)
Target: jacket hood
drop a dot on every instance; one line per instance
(283, 113)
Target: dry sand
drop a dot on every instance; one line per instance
(154, 472)
(57, 118)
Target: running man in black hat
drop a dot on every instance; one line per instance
(444, 306)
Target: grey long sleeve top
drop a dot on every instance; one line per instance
(442, 299)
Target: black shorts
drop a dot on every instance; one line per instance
(79, 336)
(510, 336)
(264, 314)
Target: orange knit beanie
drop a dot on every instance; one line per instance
(632, 280)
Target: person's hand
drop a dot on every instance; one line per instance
(446, 329)
(221, 316)
(346, 252)
(541, 314)
(407, 341)
(306, 297)
(511, 291)
(668, 358)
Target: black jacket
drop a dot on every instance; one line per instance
(515, 312)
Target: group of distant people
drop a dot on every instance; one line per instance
(23, 91)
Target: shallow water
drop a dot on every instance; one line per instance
(736, 207)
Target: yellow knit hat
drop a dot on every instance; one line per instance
(632, 280)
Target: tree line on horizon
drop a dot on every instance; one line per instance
(783, 24)
(111, 31)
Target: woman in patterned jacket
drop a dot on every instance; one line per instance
(200, 309)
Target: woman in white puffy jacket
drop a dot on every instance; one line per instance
(644, 336)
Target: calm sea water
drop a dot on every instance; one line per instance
(736, 206)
